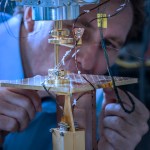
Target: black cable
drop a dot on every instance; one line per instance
(89, 82)
(108, 16)
(113, 80)
(47, 90)
(85, 92)
(73, 105)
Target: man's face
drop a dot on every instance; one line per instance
(90, 58)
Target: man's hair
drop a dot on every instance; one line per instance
(135, 33)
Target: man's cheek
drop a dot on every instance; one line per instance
(100, 65)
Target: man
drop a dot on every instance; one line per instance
(118, 130)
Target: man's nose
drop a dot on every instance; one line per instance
(87, 56)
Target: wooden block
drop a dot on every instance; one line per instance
(70, 140)
(68, 113)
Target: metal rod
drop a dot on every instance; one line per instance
(56, 48)
(58, 26)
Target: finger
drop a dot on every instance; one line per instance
(104, 144)
(139, 106)
(8, 124)
(21, 101)
(117, 141)
(111, 95)
(32, 95)
(133, 119)
(120, 126)
(15, 112)
(115, 109)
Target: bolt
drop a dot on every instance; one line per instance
(61, 134)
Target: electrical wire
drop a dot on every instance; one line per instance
(76, 100)
(47, 90)
(89, 82)
(117, 11)
(113, 80)
(73, 106)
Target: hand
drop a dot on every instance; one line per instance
(120, 130)
(17, 108)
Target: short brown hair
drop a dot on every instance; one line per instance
(135, 33)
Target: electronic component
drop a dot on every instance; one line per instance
(102, 20)
(55, 9)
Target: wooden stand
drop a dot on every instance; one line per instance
(68, 113)
(69, 141)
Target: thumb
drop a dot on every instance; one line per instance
(109, 97)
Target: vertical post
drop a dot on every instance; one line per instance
(58, 26)
(68, 113)
(56, 48)
(94, 140)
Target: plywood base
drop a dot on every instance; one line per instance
(77, 83)
(69, 141)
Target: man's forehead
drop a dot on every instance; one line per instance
(109, 5)
(109, 8)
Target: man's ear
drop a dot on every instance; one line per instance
(28, 22)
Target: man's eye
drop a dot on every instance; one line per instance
(109, 44)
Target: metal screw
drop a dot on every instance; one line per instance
(51, 130)
(61, 133)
